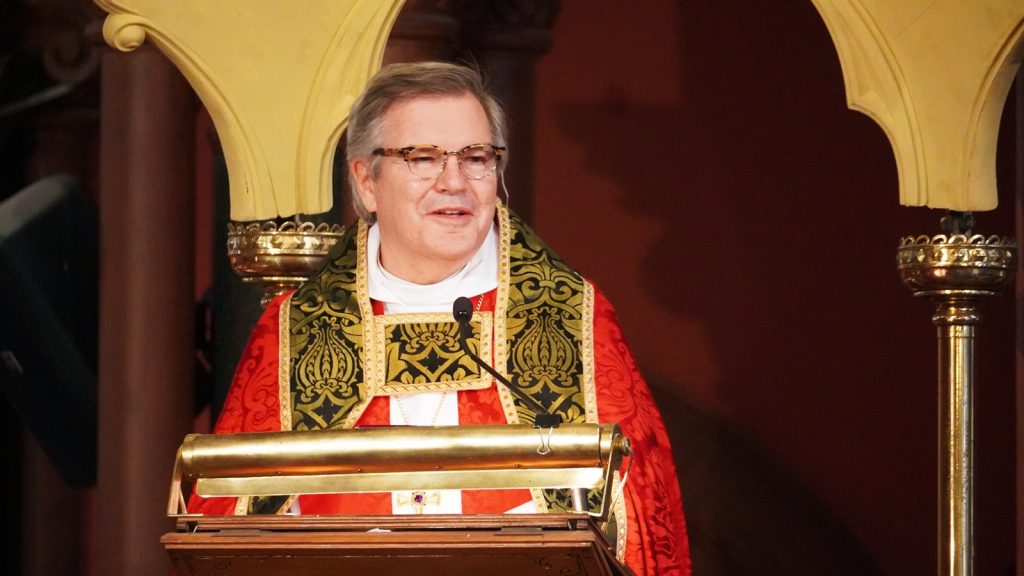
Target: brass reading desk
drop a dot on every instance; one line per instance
(578, 457)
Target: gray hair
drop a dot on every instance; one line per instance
(400, 82)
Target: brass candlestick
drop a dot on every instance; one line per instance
(956, 270)
(279, 257)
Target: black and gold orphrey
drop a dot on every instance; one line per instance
(340, 355)
(339, 361)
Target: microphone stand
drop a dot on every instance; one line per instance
(463, 312)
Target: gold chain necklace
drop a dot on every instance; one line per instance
(437, 411)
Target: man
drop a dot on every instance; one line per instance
(370, 341)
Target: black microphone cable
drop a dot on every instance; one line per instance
(462, 310)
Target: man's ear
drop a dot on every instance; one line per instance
(362, 173)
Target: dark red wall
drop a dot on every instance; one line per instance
(698, 161)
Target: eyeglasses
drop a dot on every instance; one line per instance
(426, 161)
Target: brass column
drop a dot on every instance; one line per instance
(957, 270)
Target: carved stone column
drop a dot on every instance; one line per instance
(508, 37)
(146, 312)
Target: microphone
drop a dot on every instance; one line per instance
(462, 310)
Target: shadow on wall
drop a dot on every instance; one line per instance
(737, 191)
(776, 218)
(745, 514)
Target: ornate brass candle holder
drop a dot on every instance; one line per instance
(279, 257)
(957, 271)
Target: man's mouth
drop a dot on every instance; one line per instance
(451, 212)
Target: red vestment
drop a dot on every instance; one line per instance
(656, 542)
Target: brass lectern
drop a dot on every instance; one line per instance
(581, 458)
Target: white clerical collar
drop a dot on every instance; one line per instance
(478, 276)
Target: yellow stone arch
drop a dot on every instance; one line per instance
(278, 79)
(934, 74)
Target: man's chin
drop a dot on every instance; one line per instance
(452, 254)
(455, 248)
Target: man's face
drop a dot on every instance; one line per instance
(429, 229)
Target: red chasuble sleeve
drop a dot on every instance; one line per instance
(656, 542)
(253, 403)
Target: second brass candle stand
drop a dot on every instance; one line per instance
(957, 270)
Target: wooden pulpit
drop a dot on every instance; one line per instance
(578, 457)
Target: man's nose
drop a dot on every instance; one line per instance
(451, 178)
